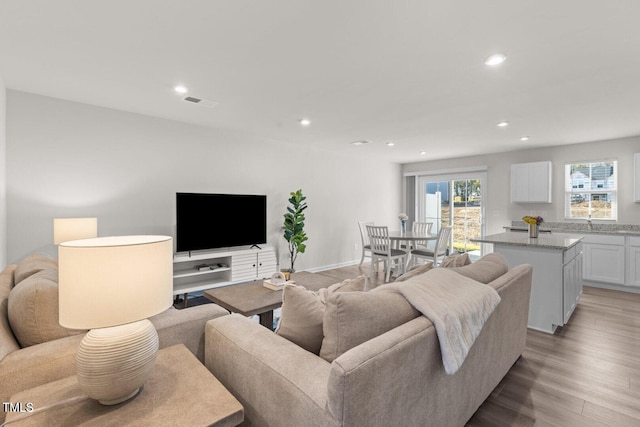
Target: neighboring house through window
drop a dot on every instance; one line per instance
(591, 190)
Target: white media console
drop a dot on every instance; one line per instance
(204, 270)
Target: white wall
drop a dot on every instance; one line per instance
(499, 209)
(66, 159)
(3, 177)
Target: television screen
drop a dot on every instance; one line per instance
(209, 221)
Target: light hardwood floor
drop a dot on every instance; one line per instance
(586, 374)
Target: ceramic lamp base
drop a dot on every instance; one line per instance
(113, 363)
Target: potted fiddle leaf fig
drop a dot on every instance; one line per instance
(293, 226)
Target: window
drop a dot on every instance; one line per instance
(591, 190)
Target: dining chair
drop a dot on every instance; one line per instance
(440, 249)
(423, 228)
(381, 250)
(366, 245)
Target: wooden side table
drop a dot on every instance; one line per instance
(180, 391)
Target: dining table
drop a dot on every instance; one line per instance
(409, 237)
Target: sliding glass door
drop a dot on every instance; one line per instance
(456, 200)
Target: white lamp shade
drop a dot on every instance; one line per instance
(109, 281)
(65, 229)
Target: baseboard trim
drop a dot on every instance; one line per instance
(332, 266)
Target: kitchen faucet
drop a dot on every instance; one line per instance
(589, 224)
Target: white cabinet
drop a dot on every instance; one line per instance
(252, 266)
(212, 269)
(633, 262)
(636, 177)
(557, 281)
(531, 182)
(572, 278)
(604, 258)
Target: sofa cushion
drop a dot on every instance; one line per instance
(303, 312)
(33, 264)
(352, 318)
(456, 260)
(33, 310)
(416, 270)
(486, 269)
(8, 342)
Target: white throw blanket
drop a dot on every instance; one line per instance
(457, 306)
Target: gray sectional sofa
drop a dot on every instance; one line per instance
(392, 378)
(35, 349)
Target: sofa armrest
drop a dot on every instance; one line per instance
(277, 382)
(36, 365)
(186, 326)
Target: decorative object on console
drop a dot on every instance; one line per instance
(277, 281)
(534, 222)
(112, 285)
(65, 229)
(403, 222)
(293, 226)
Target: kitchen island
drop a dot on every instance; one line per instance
(557, 273)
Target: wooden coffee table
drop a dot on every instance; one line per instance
(252, 298)
(180, 391)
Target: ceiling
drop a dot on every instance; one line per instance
(410, 72)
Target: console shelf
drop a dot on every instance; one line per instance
(237, 265)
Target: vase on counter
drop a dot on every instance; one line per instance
(403, 226)
(533, 231)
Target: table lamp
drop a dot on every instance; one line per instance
(111, 285)
(65, 229)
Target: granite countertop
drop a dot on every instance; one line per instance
(580, 228)
(544, 240)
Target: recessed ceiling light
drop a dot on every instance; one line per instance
(360, 142)
(503, 124)
(422, 153)
(390, 144)
(524, 138)
(494, 60)
(305, 122)
(181, 89)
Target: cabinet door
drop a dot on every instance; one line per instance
(267, 264)
(636, 177)
(531, 182)
(569, 294)
(633, 266)
(244, 266)
(519, 183)
(604, 263)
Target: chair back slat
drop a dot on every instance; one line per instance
(363, 232)
(379, 239)
(442, 243)
(421, 227)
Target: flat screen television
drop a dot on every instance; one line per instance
(210, 221)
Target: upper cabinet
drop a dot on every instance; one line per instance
(531, 182)
(636, 177)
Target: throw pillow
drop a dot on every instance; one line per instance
(352, 318)
(301, 317)
(33, 310)
(456, 260)
(303, 312)
(33, 264)
(486, 269)
(416, 270)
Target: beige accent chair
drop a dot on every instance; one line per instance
(35, 349)
(440, 249)
(364, 236)
(390, 374)
(381, 250)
